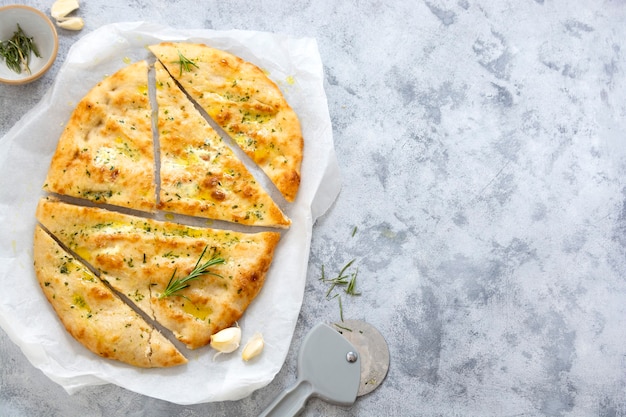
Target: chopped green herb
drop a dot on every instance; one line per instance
(350, 289)
(340, 309)
(347, 329)
(343, 279)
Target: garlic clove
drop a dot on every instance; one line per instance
(71, 23)
(62, 8)
(253, 348)
(227, 340)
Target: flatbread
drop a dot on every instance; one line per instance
(200, 175)
(94, 315)
(138, 256)
(245, 103)
(98, 267)
(106, 152)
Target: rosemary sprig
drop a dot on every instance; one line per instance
(178, 284)
(184, 63)
(17, 51)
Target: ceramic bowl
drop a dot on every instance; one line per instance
(36, 25)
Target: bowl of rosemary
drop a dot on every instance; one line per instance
(28, 44)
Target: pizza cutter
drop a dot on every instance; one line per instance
(336, 363)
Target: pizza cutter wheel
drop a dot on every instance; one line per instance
(336, 363)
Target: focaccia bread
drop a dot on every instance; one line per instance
(93, 314)
(245, 103)
(138, 257)
(106, 152)
(107, 273)
(200, 175)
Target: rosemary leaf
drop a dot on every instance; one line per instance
(332, 287)
(350, 289)
(339, 326)
(346, 267)
(340, 308)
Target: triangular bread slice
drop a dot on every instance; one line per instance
(94, 315)
(138, 257)
(245, 103)
(200, 175)
(106, 152)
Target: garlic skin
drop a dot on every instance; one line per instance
(62, 8)
(71, 23)
(227, 340)
(253, 348)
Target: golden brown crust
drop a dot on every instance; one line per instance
(246, 104)
(200, 175)
(105, 153)
(138, 256)
(93, 314)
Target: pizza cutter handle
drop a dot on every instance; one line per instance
(290, 402)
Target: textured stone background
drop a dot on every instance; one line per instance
(483, 154)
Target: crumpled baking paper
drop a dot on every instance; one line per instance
(25, 152)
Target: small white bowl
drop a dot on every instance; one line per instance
(35, 24)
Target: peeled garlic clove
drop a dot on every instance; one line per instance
(62, 8)
(253, 348)
(72, 23)
(227, 340)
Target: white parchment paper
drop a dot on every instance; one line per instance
(25, 152)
